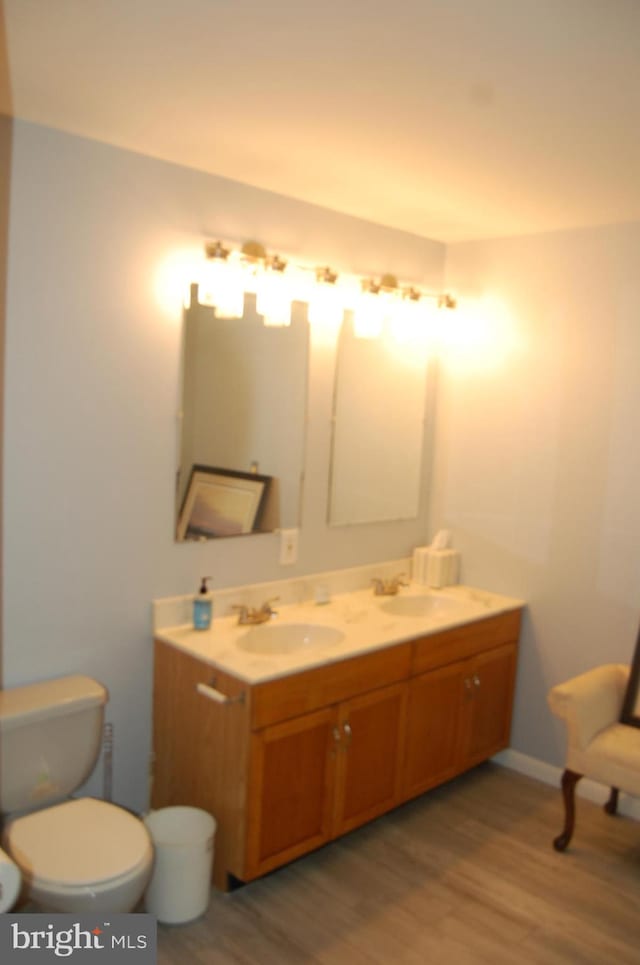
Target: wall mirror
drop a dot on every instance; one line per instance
(380, 397)
(631, 703)
(242, 423)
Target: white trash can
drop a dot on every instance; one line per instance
(180, 883)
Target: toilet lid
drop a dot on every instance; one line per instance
(79, 842)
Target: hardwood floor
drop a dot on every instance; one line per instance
(465, 874)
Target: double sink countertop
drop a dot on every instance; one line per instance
(305, 635)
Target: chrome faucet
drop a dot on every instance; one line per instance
(388, 587)
(249, 615)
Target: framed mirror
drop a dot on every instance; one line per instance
(242, 423)
(380, 396)
(631, 704)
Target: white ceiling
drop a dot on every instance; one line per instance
(453, 119)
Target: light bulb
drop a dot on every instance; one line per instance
(221, 287)
(413, 319)
(326, 306)
(369, 314)
(273, 297)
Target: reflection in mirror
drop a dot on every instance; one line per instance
(378, 429)
(244, 398)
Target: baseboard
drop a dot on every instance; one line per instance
(548, 774)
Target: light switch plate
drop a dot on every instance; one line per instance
(288, 546)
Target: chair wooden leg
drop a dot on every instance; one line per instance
(569, 781)
(611, 807)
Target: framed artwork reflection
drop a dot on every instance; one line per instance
(221, 502)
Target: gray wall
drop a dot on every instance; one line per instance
(537, 459)
(6, 128)
(98, 243)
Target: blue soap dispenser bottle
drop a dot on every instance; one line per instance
(202, 606)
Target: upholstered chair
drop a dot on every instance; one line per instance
(599, 747)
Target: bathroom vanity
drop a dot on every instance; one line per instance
(290, 750)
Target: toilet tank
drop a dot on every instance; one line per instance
(50, 737)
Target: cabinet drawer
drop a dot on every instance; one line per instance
(440, 649)
(300, 693)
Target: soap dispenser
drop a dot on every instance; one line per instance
(202, 606)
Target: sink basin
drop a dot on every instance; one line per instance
(278, 638)
(426, 605)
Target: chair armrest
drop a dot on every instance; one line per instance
(590, 702)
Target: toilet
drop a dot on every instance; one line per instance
(74, 854)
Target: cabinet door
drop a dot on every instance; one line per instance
(371, 730)
(290, 793)
(434, 728)
(491, 681)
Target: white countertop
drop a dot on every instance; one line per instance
(361, 617)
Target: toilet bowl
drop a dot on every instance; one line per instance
(81, 855)
(74, 854)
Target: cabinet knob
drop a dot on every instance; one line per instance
(337, 737)
(348, 732)
(476, 680)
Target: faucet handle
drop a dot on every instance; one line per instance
(266, 606)
(387, 587)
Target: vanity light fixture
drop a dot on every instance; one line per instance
(369, 312)
(220, 284)
(325, 300)
(228, 274)
(212, 272)
(252, 257)
(273, 293)
(410, 316)
(385, 303)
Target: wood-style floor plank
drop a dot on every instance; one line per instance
(465, 874)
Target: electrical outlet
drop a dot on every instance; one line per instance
(288, 546)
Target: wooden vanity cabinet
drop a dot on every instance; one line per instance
(458, 715)
(298, 761)
(201, 751)
(291, 763)
(291, 782)
(314, 777)
(369, 759)
(489, 685)
(460, 700)
(434, 724)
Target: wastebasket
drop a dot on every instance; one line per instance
(181, 880)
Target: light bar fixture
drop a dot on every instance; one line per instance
(273, 293)
(325, 300)
(221, 285)
(228, 274)
(369, 312)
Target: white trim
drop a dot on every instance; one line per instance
(549, 774)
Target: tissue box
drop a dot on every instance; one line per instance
(436, 568)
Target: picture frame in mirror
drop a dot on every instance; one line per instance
(221, 502)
